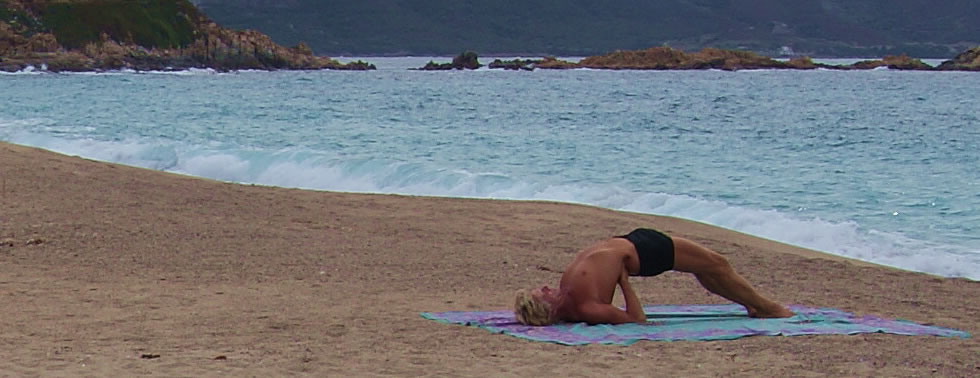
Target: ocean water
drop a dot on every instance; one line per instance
(876, 165)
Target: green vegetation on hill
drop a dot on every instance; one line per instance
(18, 19)
(826, 28)
(148, 23)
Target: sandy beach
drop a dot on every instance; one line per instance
(110, 270)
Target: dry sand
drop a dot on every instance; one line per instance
(109, 270)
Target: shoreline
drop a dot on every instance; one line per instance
(134, 271)
(532, 63)
(703, 227)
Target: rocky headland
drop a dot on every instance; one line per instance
(162, 35)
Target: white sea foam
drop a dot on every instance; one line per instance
(29, 70)
(311, 170)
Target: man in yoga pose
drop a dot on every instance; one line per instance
(587, 286)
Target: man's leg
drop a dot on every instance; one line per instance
(717, 275)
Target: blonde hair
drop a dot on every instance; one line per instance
(530, 311)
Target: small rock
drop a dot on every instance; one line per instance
(7, 242)
(35, 241)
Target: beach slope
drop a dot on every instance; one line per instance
(109, 270)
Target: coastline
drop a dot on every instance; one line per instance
(177, 35)
(114, 269)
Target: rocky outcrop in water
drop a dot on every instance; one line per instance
(899, 62)
(548, 62)
(467, 60)
(666, 58)
(968, 60)
(515, 64)
(663, 58)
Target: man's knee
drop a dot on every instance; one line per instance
(717, 264)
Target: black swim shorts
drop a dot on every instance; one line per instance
(655, 250)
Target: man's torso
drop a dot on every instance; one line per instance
(595, 272)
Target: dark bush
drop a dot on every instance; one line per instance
(148, 23)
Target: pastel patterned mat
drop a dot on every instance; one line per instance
(693, 322)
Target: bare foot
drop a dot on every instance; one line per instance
(775, 312)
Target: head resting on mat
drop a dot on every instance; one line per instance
(534, 307)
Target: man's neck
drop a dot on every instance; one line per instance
(559, 308)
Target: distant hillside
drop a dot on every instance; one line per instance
(823, 28)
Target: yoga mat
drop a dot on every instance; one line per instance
(693, 322)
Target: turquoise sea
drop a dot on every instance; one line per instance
(876, 165)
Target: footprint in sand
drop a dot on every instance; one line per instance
(336, 330)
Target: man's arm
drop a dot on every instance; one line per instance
(633, 307)
(604, 313)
